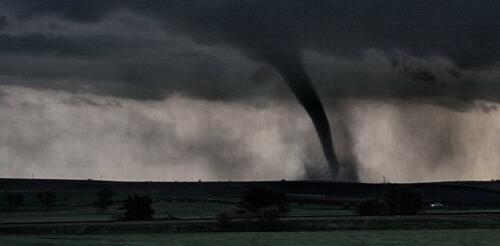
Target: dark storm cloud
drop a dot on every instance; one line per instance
(59, 45)
(463, 32)
(3, 22)
(82, 11)
(414, 71)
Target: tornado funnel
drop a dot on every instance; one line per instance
(293, 72)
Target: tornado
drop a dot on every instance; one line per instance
(291, 68)
(274, 39)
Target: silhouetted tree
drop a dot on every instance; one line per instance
(47, 198)
(15, 200)
(370, 207)
(268, 216)
(138, 208)
(104, 199)
(401, 201)
(224, 218)
(392, 201)
(261, 198)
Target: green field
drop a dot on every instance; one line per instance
(205, 199)
(386, 237)
(77, 206)
(321, 213)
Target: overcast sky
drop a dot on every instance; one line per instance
(214, 49)
(106, 54)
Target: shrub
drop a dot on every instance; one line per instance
(47, 198)
(223, 218)
(265, 204)
(401, 201)
(15, 200)
(268, 216)
(258, 198)
(370, 207)
(103, 200)
(138, 208)
(393, 201)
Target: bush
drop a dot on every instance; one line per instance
(268, 216)
(138, 208)
(265, 204)
(393, 201)
(259, 198)
(223, 218)
(370, 207)
(47, 198)
(15, 200)
(103, 200)
(401, 201)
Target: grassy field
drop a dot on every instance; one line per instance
(78, 207)
(326, 210)
(386, 237)
(205, 199)
(75, 204)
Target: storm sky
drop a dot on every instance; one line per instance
(190, 90)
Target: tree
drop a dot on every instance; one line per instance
(266, 204)
(224, 218)
(262, 197)
(392, 201)
(104, 199)
(370, 207)
(15, 200)
(401, 201)
(138, 208)
(268, 216)
(46, 197)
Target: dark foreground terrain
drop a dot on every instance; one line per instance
(474, 237)
(458, 210)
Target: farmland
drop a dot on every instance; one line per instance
(185, 213)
